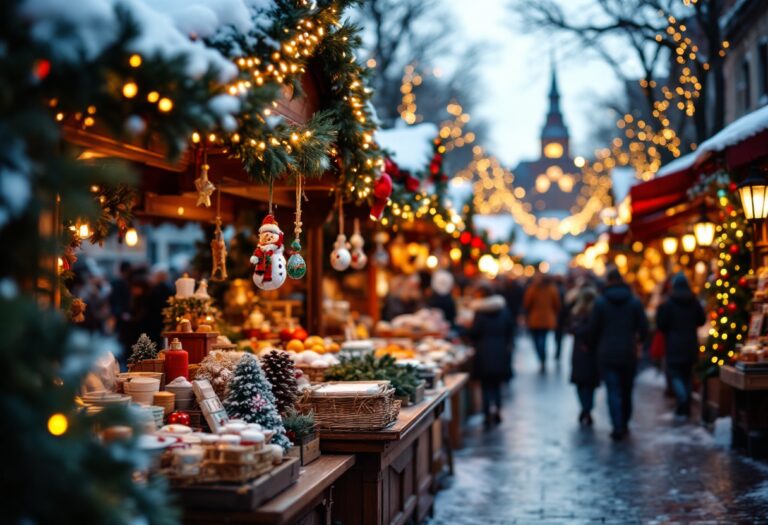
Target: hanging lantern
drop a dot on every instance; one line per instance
(704, 229)
(131, 237)
(752, 192)
(689, 242)
(669, 245)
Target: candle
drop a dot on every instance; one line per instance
(176, 362)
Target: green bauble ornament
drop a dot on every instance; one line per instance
(296, 266)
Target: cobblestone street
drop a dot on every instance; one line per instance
(540, 467)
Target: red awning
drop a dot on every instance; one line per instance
(661, 193)
(659, 225)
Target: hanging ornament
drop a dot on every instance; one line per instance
(269, 270)
(340, 256)
(380, 256)
(359, 259)
(205, 187)
(382, 190)
(297, 268)
(218, 247)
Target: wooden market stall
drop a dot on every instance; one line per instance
(394, 477)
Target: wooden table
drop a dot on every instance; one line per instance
(749, 409)
(308, 502)
(392, 480)
(456, 385)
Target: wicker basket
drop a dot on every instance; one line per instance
(352, 412)
(315, 375)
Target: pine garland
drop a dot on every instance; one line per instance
(250, 398)
(281, 374)
(53, 446)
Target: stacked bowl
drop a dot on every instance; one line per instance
(142, 389)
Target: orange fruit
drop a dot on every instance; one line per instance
(314, 340)
(334, 348)
(320, 349)
(295, 345)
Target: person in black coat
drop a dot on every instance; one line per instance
(616, 327)
(491, 333)
(584, 370)
(678, 318)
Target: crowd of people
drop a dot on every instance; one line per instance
(127, 305)
(608, 324)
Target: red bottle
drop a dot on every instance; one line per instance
(176, 362)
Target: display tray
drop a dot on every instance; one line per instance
(246, 496)
(752, 368)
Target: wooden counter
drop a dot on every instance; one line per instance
(309, 501)
(457, 385)
(392, 479)
(749, 410)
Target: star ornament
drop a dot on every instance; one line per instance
(205, 188)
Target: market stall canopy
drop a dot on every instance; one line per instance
(410, 146)
(660, 203)
(740, 143)
(683, 163)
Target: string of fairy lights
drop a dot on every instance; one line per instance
(451, 132)
(495, 192)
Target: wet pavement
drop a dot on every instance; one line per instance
(540, 467)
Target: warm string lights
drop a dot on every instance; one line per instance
(452, 131)
(728, 293)
(646, 139)
(495, 192)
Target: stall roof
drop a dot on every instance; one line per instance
(661, 193)
(680, 164)
(411, 146)
(741, 142)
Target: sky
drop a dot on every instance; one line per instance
(516, 75)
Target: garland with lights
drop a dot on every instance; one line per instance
(408, 201)
(727, 291)
(302, 36)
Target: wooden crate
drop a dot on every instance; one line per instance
(307, 450)
(196, 344)
(240, 497)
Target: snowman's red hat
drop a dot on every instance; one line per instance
(269, 224)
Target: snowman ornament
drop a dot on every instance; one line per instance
(359, 259)
(340, 256)
(269, 267)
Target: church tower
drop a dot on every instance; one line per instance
(554, 134)
(552, 183)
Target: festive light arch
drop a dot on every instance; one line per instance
(494, 192)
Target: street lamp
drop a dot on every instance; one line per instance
(669, 245)
(704, 229)
(753, 193)
(689, 242)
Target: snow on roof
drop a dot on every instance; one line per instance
(747, 126)
(622, 179)
(410, 146)
(679, 164)
(737, 131)
(169, 28)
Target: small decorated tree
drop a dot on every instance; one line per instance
(281, 374)
(144, 348)
(250, 398)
